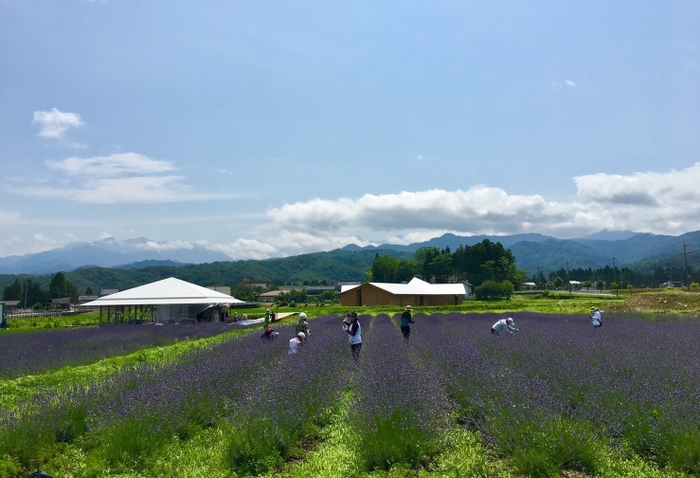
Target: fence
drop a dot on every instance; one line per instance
(31, 313)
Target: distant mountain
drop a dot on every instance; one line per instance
(108, 252)
(453, 242)
(546, 253)
(531, 251)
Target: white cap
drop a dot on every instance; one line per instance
(302, 315)
(509, 320)
(301, 335)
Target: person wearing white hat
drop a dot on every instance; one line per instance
(296, 342)
(504, 325)
(405, 321)
(595, 317)
(302, 325)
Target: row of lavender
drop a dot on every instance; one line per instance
(38, 352)
(564, 387)
(246, 383)
(400, 411)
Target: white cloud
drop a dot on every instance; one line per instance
(556, 85)
(663, 203)
(136, 190)
(247, 249)
(55, 123)
(114, 165)
(71, 237)
(122, 178)
(9, 218)
(165, 245)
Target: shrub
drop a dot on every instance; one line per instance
(252, 447)
(545, 449)
(396, 440)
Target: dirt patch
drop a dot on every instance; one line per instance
(674, 302)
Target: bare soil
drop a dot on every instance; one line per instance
(671, 302)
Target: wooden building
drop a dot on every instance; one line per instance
(415, 293)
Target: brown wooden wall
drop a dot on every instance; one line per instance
(367, 294)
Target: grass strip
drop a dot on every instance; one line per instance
(14, 391)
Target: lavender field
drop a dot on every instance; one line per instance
(38, 352)
(558, 395)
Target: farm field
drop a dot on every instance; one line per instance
(559, 398)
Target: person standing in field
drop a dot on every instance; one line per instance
(352, 327)
(266, 321)
(504, 325)
(405, 321)
(595, 317)
(302, 325)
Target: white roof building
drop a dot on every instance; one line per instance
(173, 299)
(416, 292)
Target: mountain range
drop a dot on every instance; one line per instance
(108, 252)
(532, 252)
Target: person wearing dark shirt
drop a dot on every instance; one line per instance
(405, 321)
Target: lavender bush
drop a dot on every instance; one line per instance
(400, 410)
(38, 352)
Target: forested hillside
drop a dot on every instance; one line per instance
(316, 268)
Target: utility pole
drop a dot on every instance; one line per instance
(687, 271)
(568, 277)
(26, 289)
(617, 290)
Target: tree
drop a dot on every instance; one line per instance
(558, 282)
(13, 291)
(88, 290)
(384, 269)
(489, 290)
(60, 287)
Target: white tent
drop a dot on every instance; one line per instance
(172, 299)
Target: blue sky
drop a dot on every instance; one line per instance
(264, 129)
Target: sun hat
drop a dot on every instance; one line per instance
(408, 307)
(301, 335)
(593, 307)
(509, 320)
(352, 314)
(302, 315)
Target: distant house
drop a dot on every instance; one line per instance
(11, 306)
(528, 286)
(256, 283)
(105, 292)
(415, 293)
(671, 283)
(268, 297)
(319, 289)
(63, 302)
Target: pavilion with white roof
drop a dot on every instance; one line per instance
(167, 300)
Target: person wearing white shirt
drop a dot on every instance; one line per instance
(504, 325)
(296, 343)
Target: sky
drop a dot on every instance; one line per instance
(268, 129)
